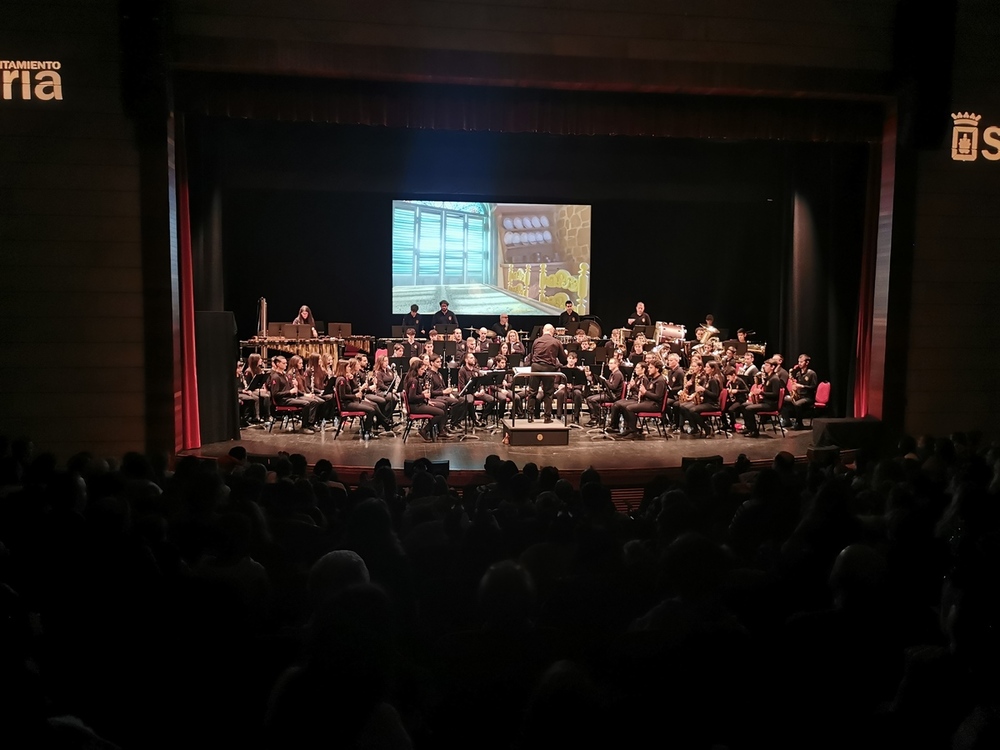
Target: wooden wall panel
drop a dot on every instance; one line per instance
(954, 338)
(71, 287)
(258, 36)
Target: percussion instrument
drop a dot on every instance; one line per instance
(302, 347)
(757, 348)
(666, 332)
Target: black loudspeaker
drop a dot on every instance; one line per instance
(438, 468)
(827, 455)
(217, 349)
(848, 433)
(688, 461)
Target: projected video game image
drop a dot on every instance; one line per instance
(490, 258)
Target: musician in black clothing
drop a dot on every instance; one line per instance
(640, 317)
(801, 386)
(612, 391)
(418, 399)
(736, 397)
(547, 355)
(569, 391)
(284, 392)
(444, 396)
(631, 397)
(768, 402)
(414, 320)
(651, 392)
(468, 371)
(501, 328)
(674, 375)
(444, 316)
(351, 393)
(569, 315)
(412, 347)
(708, 387)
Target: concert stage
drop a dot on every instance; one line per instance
(621, 462)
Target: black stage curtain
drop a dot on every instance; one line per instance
(217, 351)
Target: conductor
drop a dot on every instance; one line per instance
(547, 355)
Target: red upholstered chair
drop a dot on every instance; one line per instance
(715, 417)
(643, 417)
(288, 414)
(348, 415)
(598, 433)
(775, 415)
(822, 399)
(411, 417)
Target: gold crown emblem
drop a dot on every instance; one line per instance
(966, 118)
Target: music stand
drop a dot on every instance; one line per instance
(445, 329)
(482, 358)
(600, 355)
(535, 333)
(574, 377)
(514, 359)
(339, 330)
(399, 332)
(644, 330)
(572, 328)
(297, 331)
(402, 365)
(585, 357)
(275, 330)
(741, 346)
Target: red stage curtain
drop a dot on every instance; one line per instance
(190, 420)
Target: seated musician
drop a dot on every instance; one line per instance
(468, 371)
(285, 392)
(254, 371)
(297, 371)
(802, 383)
(249, 401)
(674, 375)
(570, 392)
(486, 338)
(377, 384)
(583, 341)
(768, 400)
(317, 378)
(416, 385)
(514, 342)
(351, 392)
(615, 346)
(399, 353)
(747, 370)
(736, 397)
(729, 358)
(504, 393)
(638, 348)
(620, 407)
(305, 318)
(652, 389)
(444, 396)
(428, 348)
(708, 390)
(472, 346)
(612, 391)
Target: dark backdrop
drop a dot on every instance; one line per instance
(300, 214)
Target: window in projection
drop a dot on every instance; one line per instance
(490, 258)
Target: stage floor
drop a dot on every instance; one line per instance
(621, 462)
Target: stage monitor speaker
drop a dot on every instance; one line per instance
(438, 468)
(848, 432)
(826, 455)
(688, 461)
(217, 349)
